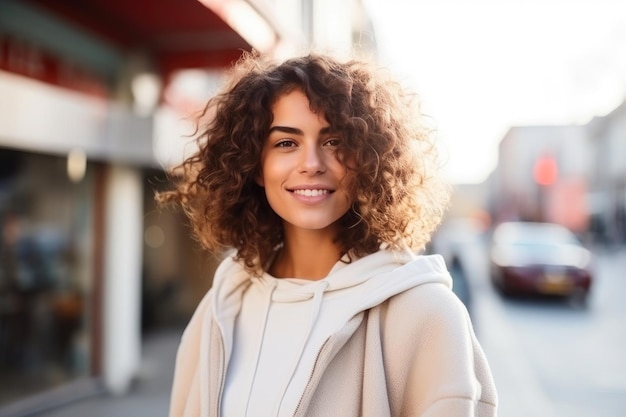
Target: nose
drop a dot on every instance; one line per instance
(312, 160)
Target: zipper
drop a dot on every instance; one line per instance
(220, 389)
(346, 333)
(308, 382)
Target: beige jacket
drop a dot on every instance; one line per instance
(414, 354)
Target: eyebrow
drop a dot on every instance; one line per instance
(296, 131)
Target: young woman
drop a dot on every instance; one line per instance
(318, 181)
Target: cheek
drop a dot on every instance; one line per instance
(348, 184)
(272, 173)
(267, 170)
(348, 169)
(347, 158)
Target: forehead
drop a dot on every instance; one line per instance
(295, 107)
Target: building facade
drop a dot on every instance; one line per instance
(542, 175)
(573, 175)
(89, 92)
(607, 188)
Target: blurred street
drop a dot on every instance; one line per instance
(549, 358)
(150, 393)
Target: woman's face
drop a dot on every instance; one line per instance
(304, 181)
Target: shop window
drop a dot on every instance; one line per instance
(45, 274)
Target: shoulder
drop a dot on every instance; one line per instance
(428, 326)
(226, 269)
(428, 298)
(430, 309)
(192, 330)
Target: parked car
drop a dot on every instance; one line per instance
(539, 258)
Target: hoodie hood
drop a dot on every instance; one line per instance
(302, 314)
(377, 276)
(361, 284)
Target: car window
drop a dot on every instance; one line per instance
(530, 234)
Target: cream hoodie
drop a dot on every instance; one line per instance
(338, 309)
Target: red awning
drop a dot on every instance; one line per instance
(177, 34)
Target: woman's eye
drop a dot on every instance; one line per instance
(332, 142)
(285, 143)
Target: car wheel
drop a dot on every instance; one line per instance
(500, 284)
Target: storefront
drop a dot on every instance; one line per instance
(85, 256)
(71, 226)
(46, 273)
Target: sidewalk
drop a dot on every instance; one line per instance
(150, 393)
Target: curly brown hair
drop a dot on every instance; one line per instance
(399, 196)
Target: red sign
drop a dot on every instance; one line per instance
(25, 58)
(546, 171)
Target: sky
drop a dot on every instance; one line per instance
(482, 66)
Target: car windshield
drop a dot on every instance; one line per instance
(534, 234)
(522, 244)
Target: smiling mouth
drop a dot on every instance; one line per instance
(311, 193)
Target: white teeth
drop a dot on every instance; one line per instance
(311, 193)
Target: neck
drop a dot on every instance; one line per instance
(306, 255)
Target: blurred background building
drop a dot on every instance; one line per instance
(573, 175)
(541, 175)
(607, 184)
(95, 97)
